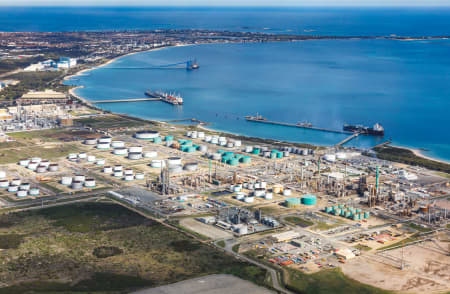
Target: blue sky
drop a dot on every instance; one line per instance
(225, 3)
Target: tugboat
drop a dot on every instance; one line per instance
(255, 118)
(192, 64)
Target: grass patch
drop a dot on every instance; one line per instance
(410, 239)
(10, 241)
(362, 247)
(323, 226)
(14, 155)
(221, 243)
(419, 228)
(235, 248)
(299, 221)
(325, 282)
(407, 156)
(112, 122)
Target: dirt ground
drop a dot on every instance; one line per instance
(427, 269)
(204, 229)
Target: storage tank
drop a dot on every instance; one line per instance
(268, 196)
(248, 149)
(194, 135)
(34, 192)
(89, 183)
(91, 158)
(105, 139)
(214, 141)
(53, 167)
(240, 196)
(201, 135)
(13, 188)
(191, 166)
(150, 154)
(82, 155)
(100, 162)
(287, 192)
(277, 189)
(118, 174)
(292, 202)
(45, 163)
(256, 151)
(77, 185)
(4, 183)
(139, 176)
(103, 146)
(309, 199)
(72, 156)
(128, 178)
(66, 180)
(120, 151)
(90, 141)
(366, 214)
(202, 148)
(330, 157)
(216, 156)
(249, 199)
(24, 162)
(168, 138)
(41, 169)
(135, 149)
(208, 139)
(79, 178)
(117, 144)
(237, 143)
(146, 135)
(16, 182)
(242, 230)
(24, 186)
(174, 161)
(134, 155)
(286, 153)
(36, 159)
(128, 171)
(107, 169)
(259, 192)
(341, 155)
(246, 159)
(233, 162)
(175, 169)
(118, 168)
(22, 193)
(156, 163)
(32, 165)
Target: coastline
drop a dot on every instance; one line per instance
(416, 151)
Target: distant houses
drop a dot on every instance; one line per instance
(61, 64)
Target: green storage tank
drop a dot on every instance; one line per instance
(225, 159)
(292, 202)
(233, 161)
(238, 156)
(221, 151)
(273, 155)
(342, 212)
(366, 214)
(279, 154)
(328, 209)
(181, 141)
(246, 159)
(309, 199)
(335, 207)
(348, 213)
(274, 151)
(256, 151)
(168, 138)
(228, 153)
(356, 217)
(341, 205)
(189, 149)
(337, 211)
(358, 210)
(157, 140)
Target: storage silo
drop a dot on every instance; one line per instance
(309, 199)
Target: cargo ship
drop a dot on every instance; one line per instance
(376, 130)
(255, 118)
(165, 97)
(192, 64)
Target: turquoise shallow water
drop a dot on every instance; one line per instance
(401, 84)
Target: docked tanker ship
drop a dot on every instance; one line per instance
(376, 130)
(165, 97)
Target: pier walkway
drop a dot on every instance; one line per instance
(297, 126)
(347, 139)
(126, 100)
(382, 144)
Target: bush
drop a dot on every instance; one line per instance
(106, 251)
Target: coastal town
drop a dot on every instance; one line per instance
(378, 216)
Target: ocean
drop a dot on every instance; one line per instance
(401, 84)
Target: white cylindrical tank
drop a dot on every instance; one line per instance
(240, 195)
(194, 135)
(24, 186)
(129, 177)
(201, 135)
(118, 168)
(249, 199)
(330, 157)
(103, 146)
(150, 154)
(77, 185)
(105, 140)
(118, 174)
(22, 193)
(259, 192)
(230, 145)
(263, 185)
(248, 149)
(191, 166)
(107, 169)
(208, 139)
(53, 167)
(82, 155)
(90, 141)
(117, 144)
(24, 162)
(120, 151)
(16, 182)
(174, 161)
(216, 156)
(146, 135)
(41, 169)
(134, 155)
(214, 140)
(341, 155)
(135, 149)
(45, 163)
(2, 174)
(36, 159)
(13, 188)
(156, 163)
(32, 165)
(128, 171)
(4, 183)
(237, 189)
(268, 196)
(100, 162)
(89, 183)
(34, 192)
(202, 148)
(287, 192)
(66, 180)
(91, 158)
(72, 156)
(139, 176)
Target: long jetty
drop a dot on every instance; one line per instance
(297, 126)
(347, 139)
(126, 100)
